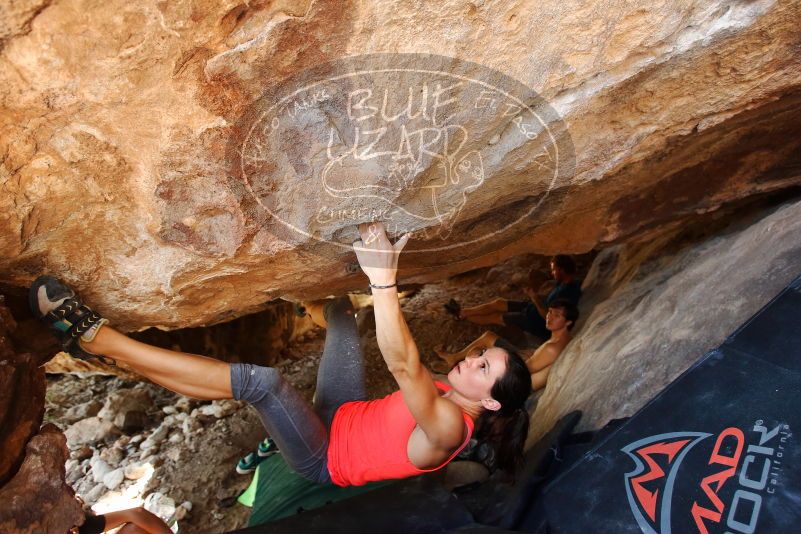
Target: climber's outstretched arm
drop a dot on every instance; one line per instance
(440, 419)
(379, 261)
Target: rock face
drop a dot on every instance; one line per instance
(37, 498)
(22, 388)
(117, 122)
(32, 487)
(654, 308)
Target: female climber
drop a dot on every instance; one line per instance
(343, 438)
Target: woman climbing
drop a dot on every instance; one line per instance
(344, 438)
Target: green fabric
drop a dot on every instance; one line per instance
(249, 495)
(277, 492)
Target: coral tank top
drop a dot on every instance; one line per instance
(368, 441)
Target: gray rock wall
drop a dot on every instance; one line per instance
(654, 308)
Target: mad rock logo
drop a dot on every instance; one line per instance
(427, 144)
(650, 485)
(701, 482)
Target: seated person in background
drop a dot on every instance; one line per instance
(527, 315)
(559, 320)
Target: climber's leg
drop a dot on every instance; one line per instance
(340, 377)
(299, 432)
(498, 305)
(85, 334)
(188, 374)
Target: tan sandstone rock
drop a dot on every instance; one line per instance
(117, 122)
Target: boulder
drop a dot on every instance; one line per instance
(113, 455)
(100, 468)
(220, 409)
(36, 500)
(32, 459)
(161, 505)
(95, 493)
(652, 309)
(136, 471)
(89, 431)
(114, 478)
(82, 411)
(73, 471)
(132, 421)
(83, 453)
(120, 128)
(22, 390)
(156, 438)
(121, 402)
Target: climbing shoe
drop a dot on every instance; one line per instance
(453, 308)
(248, 464)
(66, 315)
(267, 448)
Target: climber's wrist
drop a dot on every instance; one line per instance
(383, 284)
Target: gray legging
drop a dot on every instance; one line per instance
(300, 432)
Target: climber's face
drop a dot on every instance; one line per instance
(474, 376)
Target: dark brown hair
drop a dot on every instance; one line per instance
(565, 263)
(568, 308)
(507, 428)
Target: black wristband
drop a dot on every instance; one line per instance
(373, 286)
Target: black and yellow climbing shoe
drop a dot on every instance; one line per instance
(66, 315)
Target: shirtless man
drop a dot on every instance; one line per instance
(559, 320)
(560, 317)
